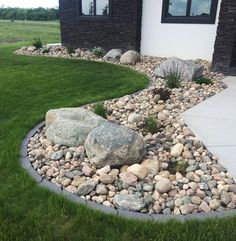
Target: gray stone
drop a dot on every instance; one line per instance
(86, 187)
(188, 70)
(187, 208)
(163, 185)
(57, 155)
(232, 188)
(225, 198)
(113, 55)
(134, 118)
(71, 126)
(114, 145)
(129, 202)
(130, 57)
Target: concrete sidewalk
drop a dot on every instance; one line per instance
(214, 123)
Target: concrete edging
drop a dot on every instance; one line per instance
(25, 163)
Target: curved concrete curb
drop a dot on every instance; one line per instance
(25, 163)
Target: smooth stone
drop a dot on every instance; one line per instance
(138, 170)
(163, 185)
(86, 187)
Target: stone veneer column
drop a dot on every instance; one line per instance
(225, 45)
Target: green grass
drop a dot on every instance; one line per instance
(29, 86)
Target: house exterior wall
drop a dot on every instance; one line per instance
(122, 30)
(187, 41)
(224, 59)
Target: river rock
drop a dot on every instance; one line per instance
(163, 185)
(114, 145)
(138, 170)
(129, 202)
(177, 150)
(86, 187)
(71, 126)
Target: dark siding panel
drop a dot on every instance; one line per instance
(123, 30)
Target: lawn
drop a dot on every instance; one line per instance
(29, 86)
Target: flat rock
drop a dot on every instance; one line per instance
(129, 202)
(86, 187)
(71, 126)
(114, 145)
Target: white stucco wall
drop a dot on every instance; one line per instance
(186, 41)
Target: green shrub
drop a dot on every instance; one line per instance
(46, 51)
(164, 93)
(151, 124)
(178, 167)
(37, 43)
(70, 50)
(172, 79)
(204, 80)
(98, 51)
(100, 110)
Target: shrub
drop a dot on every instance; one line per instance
(164, 93)
(173, 79)
(46, 51)
(98, 51)
(100, 110)
(70, 50)
(37, 43)
(151, 124)
(178, 167)
(203, 80)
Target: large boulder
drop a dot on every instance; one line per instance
(130, 57)
(114, 145)
(71, 126)
(113, 55)
(188, 70)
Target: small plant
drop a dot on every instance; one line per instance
(100, 110)
(37, 43)
(46, 51)
(98, 51)
(178, 167)
(203, 80)
(151, 124)
(70, 50)
(163, 93)
(173, 79)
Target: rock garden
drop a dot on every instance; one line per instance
(135, 152)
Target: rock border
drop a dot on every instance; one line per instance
(25, 163)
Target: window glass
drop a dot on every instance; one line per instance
(200, 8)
(87, 7)
(102, 7)
(178, 7)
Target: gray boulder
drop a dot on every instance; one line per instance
(113, 55)
(114, 145)
(130, 57)
(71, 126)
(129, 202)
(188, 70)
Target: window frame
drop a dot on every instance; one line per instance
(94, 17)
(189, 19)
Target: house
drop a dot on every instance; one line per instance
(188, 29)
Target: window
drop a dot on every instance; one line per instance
(95, 8)
(189, 11)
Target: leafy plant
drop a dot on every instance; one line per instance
(37, 43)
(46, 51)
(163, 93)
(151, 124)
(178, 167)
(100, 110)
(98, 51)
(70, 50)
(203, 80)
(173, 79)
